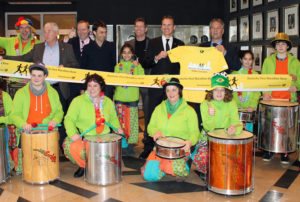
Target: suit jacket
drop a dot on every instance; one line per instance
(66, 58)
(75, 42)
(66, 55)
(231, 57)
(164, 65)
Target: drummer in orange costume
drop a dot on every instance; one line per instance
(282, 62)
(35, 103)
(217, 111)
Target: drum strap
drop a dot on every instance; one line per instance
(1, 104)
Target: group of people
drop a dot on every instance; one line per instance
(166, 112)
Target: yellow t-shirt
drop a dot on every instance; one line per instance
(198, 60)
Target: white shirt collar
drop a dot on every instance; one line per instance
(164, 39)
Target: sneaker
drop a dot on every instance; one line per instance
(267, 156)
(285, 159)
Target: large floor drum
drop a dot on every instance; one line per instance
(40, 156)
(103, 166)
(278, 126)
(3, 157)
(230, 163)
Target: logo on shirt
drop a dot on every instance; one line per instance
(200, 67)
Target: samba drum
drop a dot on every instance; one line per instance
(170, 148)
(103, 165)
(40, 156)
(3, 157)
(278, 126)
(246, 116)
(230, 163)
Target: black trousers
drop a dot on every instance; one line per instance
(63, 101)
(155, 98)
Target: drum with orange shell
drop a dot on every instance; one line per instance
(230, 163)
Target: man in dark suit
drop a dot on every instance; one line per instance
(82, 39)
(54, 53)
(216, 28)
(100, 55)
(160, 63)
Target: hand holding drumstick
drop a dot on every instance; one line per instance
(211, 110)
(157, 135)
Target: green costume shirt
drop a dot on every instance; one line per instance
(8, 43)
(269, 67)
(250, 98)
(81, 115)
(182, 124)
(127, 94)
(7, 104)
(226, 115)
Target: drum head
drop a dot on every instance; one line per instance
(278, 103)
(110, 137)
(170, 142)
(220, 133)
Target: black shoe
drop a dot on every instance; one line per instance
(144, 155)
(285, 159)
(79, 172)
(267, 156)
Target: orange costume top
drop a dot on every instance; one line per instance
(39, 108)
(281, 68)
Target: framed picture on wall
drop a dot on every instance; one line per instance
(244, 4)
(269, 51)
(232, 30)
(257, 2)
(294, 51)
(257, 26)
(271, 0)
(272, 24)
(257, 53)
(244, 28)
(291, 20)
(243, 48)
(233, 6)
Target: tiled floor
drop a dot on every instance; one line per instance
(273, 182)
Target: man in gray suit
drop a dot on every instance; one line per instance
(53, 53)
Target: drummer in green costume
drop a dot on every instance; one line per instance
(218, 110)
(86, 110)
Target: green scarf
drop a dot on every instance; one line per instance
(172, 108)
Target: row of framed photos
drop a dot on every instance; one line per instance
(245, 4)
(290, 24)
(268, 50)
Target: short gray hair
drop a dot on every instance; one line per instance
(219, 20)
(53, 24)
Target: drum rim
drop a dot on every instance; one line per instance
(296, 104)
(171, 147)
(105, 142)
(231, 139)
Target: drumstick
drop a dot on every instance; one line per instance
(112, 127)
(85, 132)
(57, 125)
(124, 141)
(236, 125)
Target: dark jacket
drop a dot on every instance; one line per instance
(99, 58)
(164, 65)
(231, 57)
(75, 42)
(66, 55)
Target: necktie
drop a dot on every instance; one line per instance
(81, 48)
(215, 44)
(167, 45)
